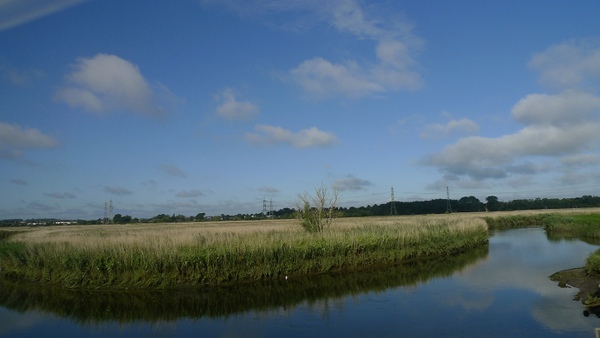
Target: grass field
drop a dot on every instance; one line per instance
(210, 253)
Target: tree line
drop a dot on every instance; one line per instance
(469, 204)
(435, 206)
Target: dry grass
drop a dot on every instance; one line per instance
(172, 254)
(189, 233)
(167, 255)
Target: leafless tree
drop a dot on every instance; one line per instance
(315, 213)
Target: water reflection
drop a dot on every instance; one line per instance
(521, 261)
(500, 290)
(568, 237)
(92, 306)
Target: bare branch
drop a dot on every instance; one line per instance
(315, 213)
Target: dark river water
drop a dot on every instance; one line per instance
(497, 291)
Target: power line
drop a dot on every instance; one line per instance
(108, 211)
(393, 207)
(448, 206)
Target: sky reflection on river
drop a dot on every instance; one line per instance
(503, 292)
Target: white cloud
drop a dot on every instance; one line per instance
(106, 83)
(570, 107)
(79, 97)
(351, 183)
(234, 110)
(392, 72)
(348, 16)
(305, 138)
(392, 69)
(395, 46)
(14, 138)
(462, 126)
(571, 63)
(559, 133)
(17, 12)
(484, 157)
(322, 78)
(559, 125)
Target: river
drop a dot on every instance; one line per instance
(497, 291)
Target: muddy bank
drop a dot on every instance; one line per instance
(589, 287)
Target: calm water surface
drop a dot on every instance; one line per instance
(500, 291)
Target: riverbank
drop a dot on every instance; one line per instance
(588, 285)
(224, 253)
(162, 256)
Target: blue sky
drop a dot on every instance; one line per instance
(210, 106)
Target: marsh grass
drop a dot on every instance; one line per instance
(168, 256)
(580, 222)
(94, 306)
(586, 226)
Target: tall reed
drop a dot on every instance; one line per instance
(174, 256)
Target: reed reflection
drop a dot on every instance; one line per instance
(124, 306)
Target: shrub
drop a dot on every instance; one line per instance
(592, 264)
(316, 213)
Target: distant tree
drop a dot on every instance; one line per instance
(469, 204)
(200, 216)
(178, 218)
(120, 219)
(161, 218)
(492, 203)
(285, 213)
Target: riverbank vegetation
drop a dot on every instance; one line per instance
(93, 306)
(222, 253)
(582, 223)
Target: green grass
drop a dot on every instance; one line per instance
(521, 221)
(231, 258)
(575, 225)
(592, 264)
(585, 226)
(6, 234)
(92, 306)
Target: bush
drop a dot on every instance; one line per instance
(592, 264)
(316, 213)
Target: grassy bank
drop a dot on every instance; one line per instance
(167, 256)
(130, 306)
(575, 224)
